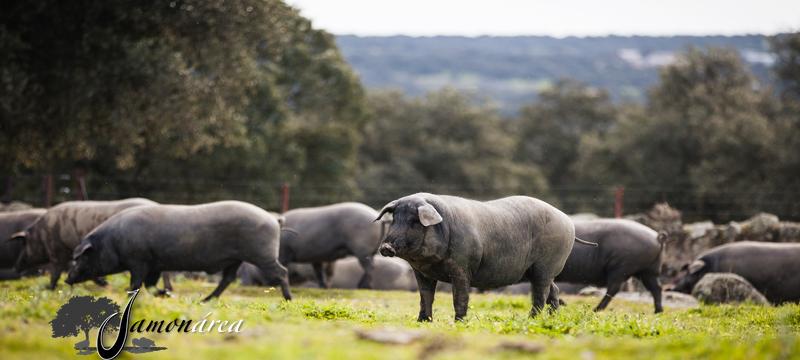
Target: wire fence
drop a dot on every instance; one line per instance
(603, 200)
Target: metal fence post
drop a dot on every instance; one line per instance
(619, 197)
(8, 194)
(47, 184)
(284, 197)
(80, 185)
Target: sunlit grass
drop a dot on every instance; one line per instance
(323, 324)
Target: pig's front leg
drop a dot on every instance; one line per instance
(138, 273)
(427, 290)
(460, 281)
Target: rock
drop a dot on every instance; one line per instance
(759, 227)
(521, 346)
(14, 206)
(390, 336)
(662, 217)
(722, 288)
(698, 229)
(584, 217)
(789, 232)
(591, 291)
(679, 300)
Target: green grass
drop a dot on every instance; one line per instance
(323, 324)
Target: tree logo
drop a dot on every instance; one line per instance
(81, 314)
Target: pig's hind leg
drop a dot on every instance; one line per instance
(324, 281)
(274, 273)
(228, 275)
(366, 263)
(55, 274)
(540, 289)
(150, 282)
(650, 282)
(613, 285)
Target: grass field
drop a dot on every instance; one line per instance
(325, 324)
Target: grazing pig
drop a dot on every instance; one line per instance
(52, 238)
(482, 244)
(388, 274)
(625, 248)
(210, 237)
(772, 268)
(327, 233)
(11, 223)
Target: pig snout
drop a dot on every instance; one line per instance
(387, 250)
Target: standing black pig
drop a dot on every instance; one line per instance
(772, 268)
(323, 234)
(482, 244)
(209, 237)
(11, 223)
(625, 248)
(52, 238)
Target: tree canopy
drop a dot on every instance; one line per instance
(193, 101)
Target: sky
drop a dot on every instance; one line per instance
(553, 17)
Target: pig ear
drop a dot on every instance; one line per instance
(696, 266)
(81, 249)
(19, 235)
(428, 215)
(388, 208)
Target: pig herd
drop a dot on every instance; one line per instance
(423, 240)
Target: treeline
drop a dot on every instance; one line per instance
(198, 101)
(511, 69)
(711, 140)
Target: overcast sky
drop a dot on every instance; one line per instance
(552, 17)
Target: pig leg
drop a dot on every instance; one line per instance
(552, 298)
(366, 280)
(55, 274)
(324, 283)
(427, 290)
(137, 278)
(650, 282)
(540, 289)
(167, 281)
(613, 284)
(228, 275)
(329, 269)
(150, 282)
(460, 282)
(274, 273)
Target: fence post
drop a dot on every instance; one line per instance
(7, 195)
(284, 197)
(47, 184)
(80, 184)
(619, 197)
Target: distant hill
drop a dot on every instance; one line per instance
(510, 70)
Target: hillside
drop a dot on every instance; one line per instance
(509, 70)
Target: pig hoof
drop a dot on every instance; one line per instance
(424, 319)
(163, 293)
